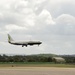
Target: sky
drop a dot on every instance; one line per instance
(49, 21)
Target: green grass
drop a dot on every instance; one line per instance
(35, 64)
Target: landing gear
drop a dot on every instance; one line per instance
(38, 44)
(24, 45)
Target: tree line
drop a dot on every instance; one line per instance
(69, 58)
(34, 58)
(23, 58)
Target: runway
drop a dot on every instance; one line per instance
(36, 71)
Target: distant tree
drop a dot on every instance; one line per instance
(49, 59)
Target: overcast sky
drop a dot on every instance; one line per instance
(49, 21)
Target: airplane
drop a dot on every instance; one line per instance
(23, 43)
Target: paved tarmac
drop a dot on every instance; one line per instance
(36, 71)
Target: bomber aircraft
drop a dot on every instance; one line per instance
(23, 43)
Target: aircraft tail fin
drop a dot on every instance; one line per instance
(10, 38)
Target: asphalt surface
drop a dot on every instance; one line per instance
(36, 71)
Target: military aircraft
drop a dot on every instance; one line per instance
(23, 43)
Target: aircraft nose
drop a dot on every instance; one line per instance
(40, 42)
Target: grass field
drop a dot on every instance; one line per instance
(36, 64)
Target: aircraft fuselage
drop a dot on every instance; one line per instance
(31, 43)
(23, 43)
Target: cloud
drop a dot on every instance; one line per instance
(66, 19)
(45, 17)
(59, 7)
(52, 22)
(16, 13)
(14, 27)
(66, 24)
